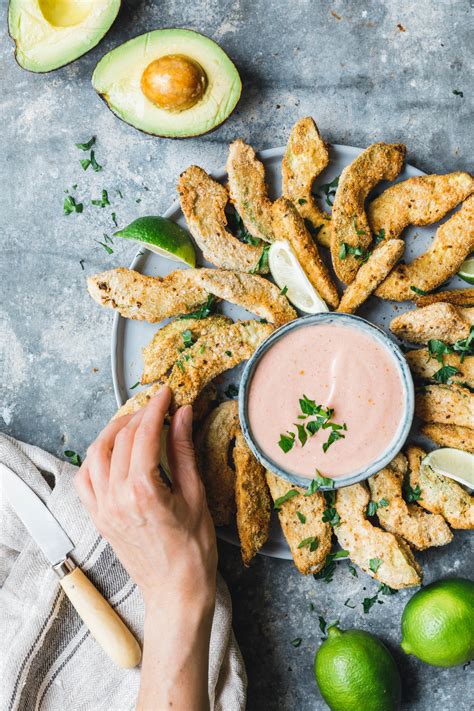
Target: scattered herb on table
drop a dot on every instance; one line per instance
(311, 607)
(104, 200)
(369, 602)
(322, 624)
(70, 205)
(135, 385)
(73, 457)
(352, 570)
(86, 146)
(326, 573)
(107, 247)
(231, 391)
(296, 641)
(81, 262)
(114, 219)
(95, 166)
(352, 607)
(456, 92)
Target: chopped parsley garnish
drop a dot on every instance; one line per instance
(372, 506)
(329, 190)
(322, 624)
(262, 263)
(352, 570)
(412, 495)
(296, 641)
(70, 205)
(311, 607)
(104, 200)
(286, 497)
(228, 354)
(81, 262)
(420, 292)
(311, 541)
(317, 483)
(180, 365)
(369, 602)
(444, 374)
(331, 516)
(204, 310)
(73, 457)
(187, 337)
(322, 416)
(86, 146)
(287, 441)
(380, 236)
(387, 590)
(135, 385)
(357, 230)
(352, 607)
(456, 92)
(302, 201)
(237, 227)
(284, 291)
(357, 252)
(374, 564)
(114, 219)
(85, 162)
(301, 517)
(231, 391)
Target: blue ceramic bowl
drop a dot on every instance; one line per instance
(405, 376)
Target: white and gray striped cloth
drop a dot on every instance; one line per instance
(49, 661)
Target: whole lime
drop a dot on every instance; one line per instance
(355, 671)
(438, 623)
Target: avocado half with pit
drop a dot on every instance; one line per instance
(51, 33)
(172, 83)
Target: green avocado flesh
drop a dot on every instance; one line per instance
(51, 33)
(117, 78)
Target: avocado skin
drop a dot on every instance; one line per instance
(192, 133)
(100, 37)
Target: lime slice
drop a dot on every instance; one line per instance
(453, 463)
(290, 277)
(466, 271)
(161, 236)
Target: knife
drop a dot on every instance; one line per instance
(99, 617)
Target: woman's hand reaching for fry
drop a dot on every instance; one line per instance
(165, 539)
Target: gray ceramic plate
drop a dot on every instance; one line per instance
(129, 337)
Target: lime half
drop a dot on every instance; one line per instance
(161, 236)
(290, 277)
(466, 270)
(453, 463)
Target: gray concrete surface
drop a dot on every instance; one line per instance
(367, 71)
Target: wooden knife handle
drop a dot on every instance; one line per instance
(103, 622)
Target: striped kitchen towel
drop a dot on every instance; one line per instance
(49, 660)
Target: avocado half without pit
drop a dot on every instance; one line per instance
(51, 33)
(171, 83)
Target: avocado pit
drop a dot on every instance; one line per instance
(174, 82)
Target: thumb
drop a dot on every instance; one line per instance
(181, 454)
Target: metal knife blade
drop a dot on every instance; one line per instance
(36, 517)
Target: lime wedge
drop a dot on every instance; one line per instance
(161, 236)
(466, 271)
(453, 463)
(290, 277)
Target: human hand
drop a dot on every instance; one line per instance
(163, 536)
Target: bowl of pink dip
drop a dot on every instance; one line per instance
(329, 395)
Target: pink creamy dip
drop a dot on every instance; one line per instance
(338, 366)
